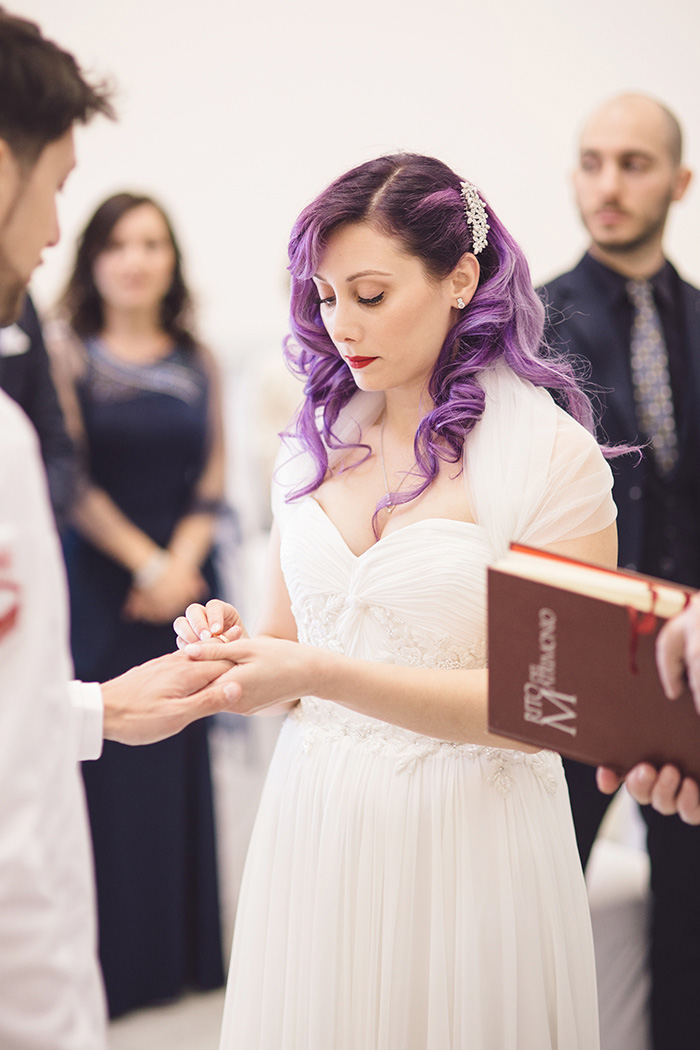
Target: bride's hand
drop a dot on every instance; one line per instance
(267, 671)
(216, 621)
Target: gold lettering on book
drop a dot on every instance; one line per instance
(542, 702)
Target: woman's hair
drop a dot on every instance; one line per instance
(418, 201)
(81, 303)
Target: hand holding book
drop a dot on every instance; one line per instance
(572, 668)
(678, 653)
(678, 661)
(665, 789)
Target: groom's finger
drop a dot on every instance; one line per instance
(193, 676)
(215, 650)
(220, 695)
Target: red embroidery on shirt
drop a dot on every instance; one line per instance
(9, 597)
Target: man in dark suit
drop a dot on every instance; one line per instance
(25, 374)
(627, 313)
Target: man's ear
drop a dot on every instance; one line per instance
(683, 177)
(464, 279)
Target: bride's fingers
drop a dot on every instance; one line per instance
(221, 616)
(184, 631)
(219, 639)
(232, 635)
(198, 620)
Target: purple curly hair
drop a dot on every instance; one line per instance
(417, 200)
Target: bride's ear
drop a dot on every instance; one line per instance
(464, 279)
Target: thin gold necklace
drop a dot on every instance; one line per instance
(392, 506)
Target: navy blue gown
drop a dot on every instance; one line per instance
(150, 807)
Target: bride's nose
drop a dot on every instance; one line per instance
(344, 327)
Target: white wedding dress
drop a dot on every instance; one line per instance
(401, 892)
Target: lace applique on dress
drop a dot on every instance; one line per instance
(321, 621)
(322, 721)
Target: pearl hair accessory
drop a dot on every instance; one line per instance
(477, 219)
(460, 303)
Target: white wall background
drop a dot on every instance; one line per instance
(235, 114)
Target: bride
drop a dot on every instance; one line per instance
(412, 880)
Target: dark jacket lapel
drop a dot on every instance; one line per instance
(585, 326)
(691, 322)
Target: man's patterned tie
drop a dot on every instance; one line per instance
(650, 377)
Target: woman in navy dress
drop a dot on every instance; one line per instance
(142, 399)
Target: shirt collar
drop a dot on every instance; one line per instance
(613, 284)
(664, 285)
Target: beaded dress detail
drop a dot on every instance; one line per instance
(403, 891)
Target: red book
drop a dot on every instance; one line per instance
(572, 664)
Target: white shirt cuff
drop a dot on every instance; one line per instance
(88, 716)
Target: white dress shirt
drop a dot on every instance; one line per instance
(51, 994)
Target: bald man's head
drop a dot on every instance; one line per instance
(632, 111)
(629, 172)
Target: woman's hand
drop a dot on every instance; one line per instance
(267, 672)
(216, 619)
(176, 586)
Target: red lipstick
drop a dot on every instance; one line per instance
(360, 362)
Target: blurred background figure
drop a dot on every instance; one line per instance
(142, 402)
(25, 374)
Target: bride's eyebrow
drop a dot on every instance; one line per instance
(367, 273)
(355, 276)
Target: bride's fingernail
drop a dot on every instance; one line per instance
(216, 628)
(205, 635)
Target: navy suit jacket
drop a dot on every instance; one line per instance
(26, 377)
(579, 324)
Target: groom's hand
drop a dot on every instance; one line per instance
(159, 698)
